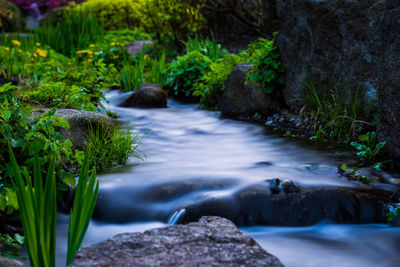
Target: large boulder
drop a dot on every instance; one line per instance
(212, 241)
(337, 43)
(147, 96)
(242, 99)
(389, 91)
(81, 123)
(349, 45)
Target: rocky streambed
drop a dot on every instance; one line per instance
(198, 164)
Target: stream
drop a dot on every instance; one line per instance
(191, 155)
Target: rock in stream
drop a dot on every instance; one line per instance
(213, 241)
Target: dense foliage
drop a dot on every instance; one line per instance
(185, 72)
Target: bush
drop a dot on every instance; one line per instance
(185, 72)
(164, 18)
(117, 14)
(11, 18)
(268, 69)
(213, 82)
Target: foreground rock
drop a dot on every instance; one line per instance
(81, 123)
(147, 96)
(7, 262)
(212, 241)
(241, 100)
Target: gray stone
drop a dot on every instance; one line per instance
(7, 262)
(147, 96)
(213, 241)
(136, 47)
(347, 45)
(241, 99)
(337, 43)
(81, 122)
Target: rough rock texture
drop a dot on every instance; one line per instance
(259, 205)
(80, 123)
(147, 96)
(344, 43)
(336, 42)
(241, 100)
(212, 241)
(389, 91)
(7, 262)
(137, 47)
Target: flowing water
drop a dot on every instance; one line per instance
(192, 154)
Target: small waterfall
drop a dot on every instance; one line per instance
(176, 216)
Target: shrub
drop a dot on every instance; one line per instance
(213, 82)
(176, 18)
(268, 69)
(11, 18)
(185, 72)
(117, 14)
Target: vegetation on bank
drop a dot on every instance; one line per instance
(68, 64)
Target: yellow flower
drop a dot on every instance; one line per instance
(41, 52)
(112, 44)
(28, 53)
(34, 54)
(16, 43)
(115, 57)
(83, 51)
(89, 60)
(90, 52)
(38, 44)
(6, 48)
(146, 56)
(92, 45)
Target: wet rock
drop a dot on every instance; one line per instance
(257, 205)
(274, 185)
(212, 241)
(81, 122)
(289, 187)
(7, 262)
(241, 99)
(147, 96)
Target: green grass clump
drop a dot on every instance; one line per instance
(110, 147)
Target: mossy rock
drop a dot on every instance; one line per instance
(11, 18)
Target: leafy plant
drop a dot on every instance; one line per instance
(38, 209)
(208, 47)
(369, 147)
(268, 69)
(185, 72)
(354, 174)
(213, 82)
(84, 202)
(393, 214)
